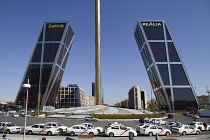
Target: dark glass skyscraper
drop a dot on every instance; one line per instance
(47, 64)
(167, 74)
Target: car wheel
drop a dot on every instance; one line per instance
(91, 133)
(167, 133)
(72, 134)
(49, 133)
(8, 131)
(184, 133)
(30, 132)
(150, 134)
(197, 132)
(61, 130)
(111, 134)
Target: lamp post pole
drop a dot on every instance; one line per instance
(26, 107)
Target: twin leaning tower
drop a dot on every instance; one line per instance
(169, 80)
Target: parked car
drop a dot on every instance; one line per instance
(200, 125)
(185, 113)
(15, 115)
(57, 125)
(157, 121)
(115, 124)
(25, 114)
(170, 115)
(140, 126)
(41, 129)
(173, 124)
(153, 130)
(144, 120)
(90, 118)
(89, 125)
(81, 130)
(119, 130)
(9, 127)
(186, 129)
(196, 116)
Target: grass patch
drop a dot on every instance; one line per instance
(130, 116)
(69, 114)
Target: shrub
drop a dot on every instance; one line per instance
(69, 114)
(129, 116)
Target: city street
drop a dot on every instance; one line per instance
(102, 122)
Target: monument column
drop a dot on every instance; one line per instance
(97, 53)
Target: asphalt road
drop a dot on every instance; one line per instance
(69, 122)
(102, 122)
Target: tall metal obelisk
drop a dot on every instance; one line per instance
(98, 53)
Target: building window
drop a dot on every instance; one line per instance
(178, 75)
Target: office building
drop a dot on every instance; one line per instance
(137, 98)
(164, 66)
(71, 96)
(93, 89)
(46, 65)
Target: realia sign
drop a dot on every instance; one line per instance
(151, 23)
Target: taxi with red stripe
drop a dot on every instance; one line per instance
(154, 130)
(9, 127)
(41, 129)
(119, 130)
(57, 125)
(186, 129)
(89, 125)
(81, 130)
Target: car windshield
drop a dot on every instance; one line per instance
(192, 123)
(170, 123)
(59, 124)
(141, 124)
(146, 126)
(10, 124)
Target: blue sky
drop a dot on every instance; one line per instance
(122, 66)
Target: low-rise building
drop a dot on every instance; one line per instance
(204, 99)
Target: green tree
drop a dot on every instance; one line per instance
(153, 107)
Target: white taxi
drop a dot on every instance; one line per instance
(173, 124)
(115, 124)
(41, 129)
(140, 126)
(186, 129)
(119, 130)
(157, 121)
(57, 125)
(89, 125)
(200, 125)
(9, 127)
(153, 130)
(81, 130)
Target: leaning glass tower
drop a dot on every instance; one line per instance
(170, 82)
(46, 65)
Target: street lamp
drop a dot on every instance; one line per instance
(26, 107)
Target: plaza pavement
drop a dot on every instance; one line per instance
(98, 109)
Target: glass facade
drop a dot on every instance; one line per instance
(47, 64)
(170, 82)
